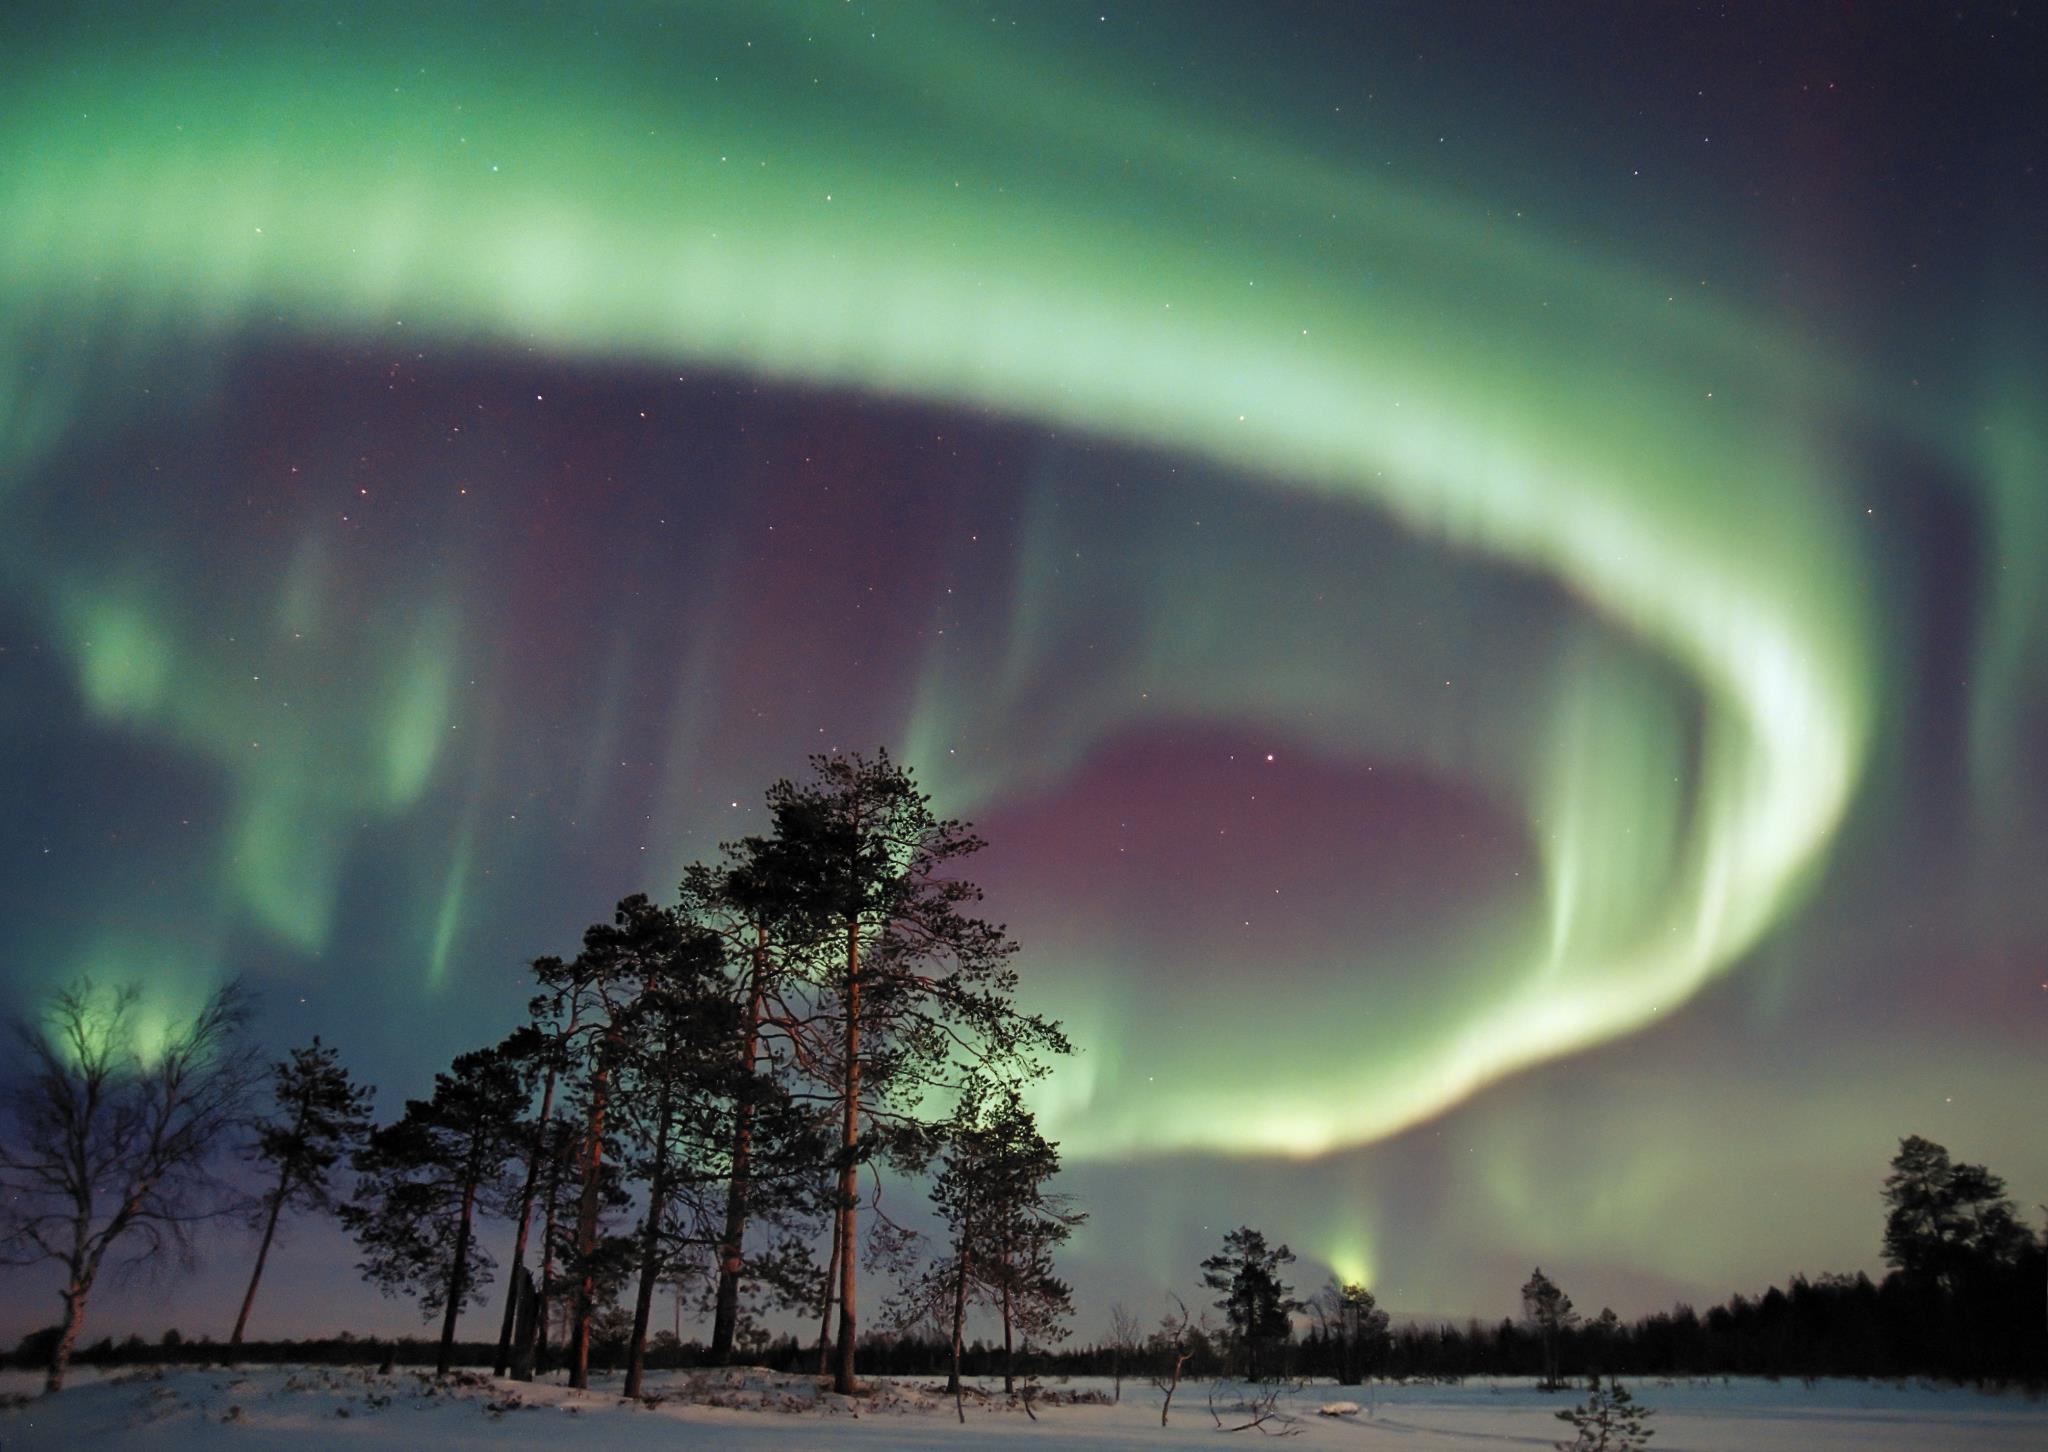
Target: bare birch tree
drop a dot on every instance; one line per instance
(113, 1129)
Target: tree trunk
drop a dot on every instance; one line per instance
(1180, 1359)
(843, 1380)
(546, 1288)
(825, 1312)
(725, 1320)
(284, 1180)
(456, 1275)
(586, 1221)
(74, 1320)
(650, 1246)
(526, 1197)
(262, 1254)
(1009, 1352)
(527, 1299)
(960, 1257)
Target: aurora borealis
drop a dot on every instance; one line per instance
(1485, 572)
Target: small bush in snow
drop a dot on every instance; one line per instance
(1608, 1421)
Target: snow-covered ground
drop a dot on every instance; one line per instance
(317, 1407)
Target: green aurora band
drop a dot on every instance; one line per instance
(945, 222)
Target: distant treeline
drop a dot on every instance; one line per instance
(1992, 1330)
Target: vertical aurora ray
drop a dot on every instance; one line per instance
(1672, 466)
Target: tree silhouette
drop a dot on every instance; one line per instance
(321, 1116)
(916, 992)
(1607, 1421)
(1352, 1318)
(1256, 1305)
(1943, 1219)
(552, 1016)
(600, 986)
(1549, 1310)
(679, 1077)
(773, 1144)
(425, 1177)
(112, 1135)
(1004, 1223)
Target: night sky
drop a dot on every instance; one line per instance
(1483, 568)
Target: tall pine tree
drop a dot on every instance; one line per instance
(1943, 1220)
(1020, 1221)
(425, 1178)
(1258, 1306)
(1549, 1310)
(771, 1143)
(917, 992)
(601, 985)
(679, 1077)
(1352, 1318)
(320, 1116)
(552, 1016)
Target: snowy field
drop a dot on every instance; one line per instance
(320, 1407)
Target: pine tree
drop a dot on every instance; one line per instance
(1352, 1317)
(1003, 1223)
(1549, 1311)
(1024, 1224)
(1944, 1219)
(1603, 1332)
(771, 1145)
(679, 1079)
(1257, 1306)
(321, 1116)
(425, 1177)
(552, 1016)
(600, 985)
(912, 984)
(1607, 1421)
(558, 1146)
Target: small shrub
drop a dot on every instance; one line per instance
(1607, 1421)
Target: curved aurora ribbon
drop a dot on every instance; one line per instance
(705, 204)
